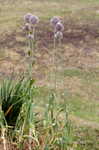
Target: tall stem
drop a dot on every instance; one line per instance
(33, 43)
(55, 63)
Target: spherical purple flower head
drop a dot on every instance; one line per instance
(27, 17)
(55, 20)
(59, 35)
(33, 20)
(27, 27)
(59, 27)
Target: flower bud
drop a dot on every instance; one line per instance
(55, 20)
(27, 17)
(33, 20)
(59, 27)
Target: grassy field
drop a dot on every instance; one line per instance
(77, 59)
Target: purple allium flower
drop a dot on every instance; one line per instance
(27, 17)
(30, 36)
(33, 19)
(59, 27)
(58, 35)
(27, 27)
(55, 20)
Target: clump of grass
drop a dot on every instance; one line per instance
(19, 116)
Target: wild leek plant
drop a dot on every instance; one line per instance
(57, 38)
(29, 28)
(31, 22)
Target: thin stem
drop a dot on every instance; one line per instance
(22, 130)
(33, 43)
(34, 32)
(60, 42)
(54, 41)
(26, 40)
(3, 137)
(55, 63)
(30, 140)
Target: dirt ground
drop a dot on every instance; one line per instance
(80, 47)
(78, 34)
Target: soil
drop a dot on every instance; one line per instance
(76, 34)
(80, 41)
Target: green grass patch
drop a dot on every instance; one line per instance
(85, 109)
(86, 75)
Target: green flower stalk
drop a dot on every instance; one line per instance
(30, 38)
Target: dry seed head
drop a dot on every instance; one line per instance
(55, 20)
(27, 17)
(59, 35)
(59, 27)
(33, 20)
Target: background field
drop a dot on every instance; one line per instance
(77, 58)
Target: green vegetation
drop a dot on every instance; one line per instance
(19, 116)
